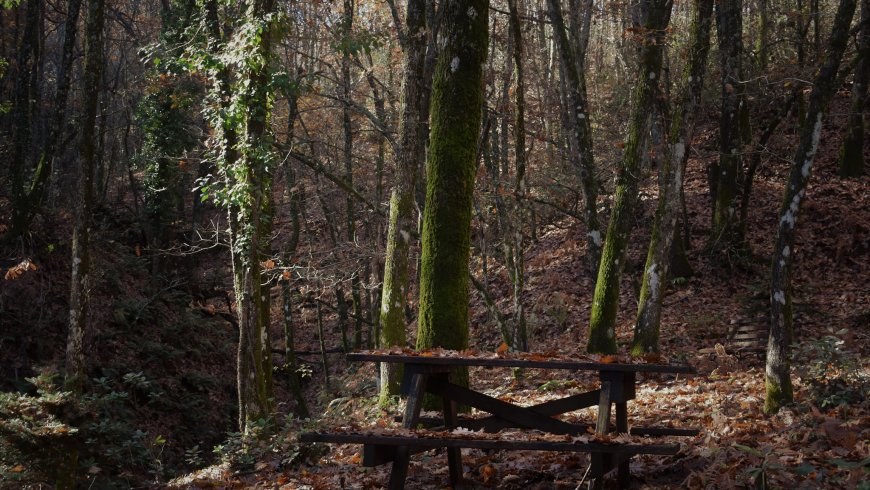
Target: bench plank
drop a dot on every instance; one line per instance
(433, 442)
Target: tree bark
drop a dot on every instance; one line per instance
(81, 259)
(851, 157)
(655, 273)
(725, 235)
(581, 156)
(28, 203)
(602, 336)
(778, 384)
(401, 224)
(457, 97)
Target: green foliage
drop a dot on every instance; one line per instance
(32, 434)
(835, 376)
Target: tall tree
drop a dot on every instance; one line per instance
(240, 112)
(724, 175)
(572, 53)
(778, 384)
(655, 272)
(851, 157)
(655, 15)
(457, 97)
(81, 258)
(254, 225)
(401, 226)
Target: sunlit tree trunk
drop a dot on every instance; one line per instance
(779, 390)
(724, 176)
(851, 157)
(655, 274)
(457, 97)
(605, 304)
(401, 224)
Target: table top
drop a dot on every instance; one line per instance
(519, 360)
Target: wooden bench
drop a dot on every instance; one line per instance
(383, 448)
(430, 374)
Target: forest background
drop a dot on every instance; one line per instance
(205, 203)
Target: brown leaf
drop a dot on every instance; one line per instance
(502, 348)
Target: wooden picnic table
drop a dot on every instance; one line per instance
(430, 373)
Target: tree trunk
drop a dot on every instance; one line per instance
(778, 369)
(725, 237)
(24, 99)
(29, 202)
(851, 157)
(655, 273)
(457, 97)
(602, 337)
(81, 259)
(582, 156)
(401, 225)
(521, 336)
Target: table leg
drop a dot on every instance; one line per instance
(417, 388)
(624, 470)
(602, 426)
(454, 454)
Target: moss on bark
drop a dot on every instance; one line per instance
(605, 304)
(455, 117)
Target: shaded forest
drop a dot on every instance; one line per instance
(204, 205)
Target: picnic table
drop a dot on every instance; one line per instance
(429, 373)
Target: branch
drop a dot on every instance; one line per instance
(321, 169)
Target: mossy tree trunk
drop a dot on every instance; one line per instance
(655, 274)
(851, 157)
(725, 235)
(602, 336)
(778, 384)
(401, 224)
(578, 117)
(457, 97)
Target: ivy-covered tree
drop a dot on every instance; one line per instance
(243, 147)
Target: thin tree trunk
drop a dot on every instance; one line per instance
(778, 384)
(851, 157)
(724, 177)
(582, 155)
(400, 226)
(81, 259)
(602, 323)
(29, 202)
(655, 273)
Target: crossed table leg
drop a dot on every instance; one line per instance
(616, 388)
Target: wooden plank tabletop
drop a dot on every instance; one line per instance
(441, 360)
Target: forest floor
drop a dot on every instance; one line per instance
(821, 441)
(171, 355)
